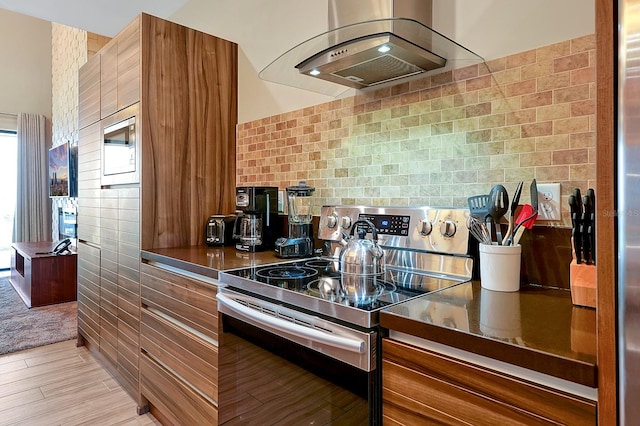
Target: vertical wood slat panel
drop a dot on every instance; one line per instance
(606, 27)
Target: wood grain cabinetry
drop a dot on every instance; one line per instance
(89, 92)
(120, 70)
(89, 154)
(41, 277)
(89, 293)
(119, 278)
(184, 85)
(188, 132)
(179, 346)
(424, 387)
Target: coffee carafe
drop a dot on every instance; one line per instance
(257, 223)
(299, 242)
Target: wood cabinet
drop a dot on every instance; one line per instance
(179, 346)
(425, 387)
(184, 85)
(188, 132)
(89, 294)
(120, 70)
(40, 277)
(89, 92)
(89, 154)
(119, 279)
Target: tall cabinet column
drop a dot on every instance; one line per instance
(184, 85)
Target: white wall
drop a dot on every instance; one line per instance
(25, 67)
(266, 29)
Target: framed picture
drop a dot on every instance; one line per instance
(59, 174)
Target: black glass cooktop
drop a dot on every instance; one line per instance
(316, 284)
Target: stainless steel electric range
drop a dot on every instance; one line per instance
(297, 311)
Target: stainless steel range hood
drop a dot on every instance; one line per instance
(370, 43)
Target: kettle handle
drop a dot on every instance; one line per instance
(374, 231)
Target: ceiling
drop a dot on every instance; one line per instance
(96, 16)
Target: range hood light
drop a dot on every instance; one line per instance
(314, 72)
(384, 48)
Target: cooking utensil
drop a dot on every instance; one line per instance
(361, 264)
(526, 219)
(498, 206)
(479, 230)
(534, 195)
(478, 206)
(512, 212)
(527, 216)
(577, 235)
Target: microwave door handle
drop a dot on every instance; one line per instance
(345, 343)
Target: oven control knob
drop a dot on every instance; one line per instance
(448, 228)
(425, 227)
(346, 222)
(332, 220)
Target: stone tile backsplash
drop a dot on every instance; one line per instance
(437, 140)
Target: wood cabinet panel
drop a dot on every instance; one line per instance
(193, 359)
(426, 382)
(188, 300)
(179, 330)
(129, 65)
(192, 78)
(89, 292)
(178, 403)
(89, 154)
(89, 92)
(109, 78)
(190, 89)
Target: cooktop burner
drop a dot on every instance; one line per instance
(329, 288)
(315, 285)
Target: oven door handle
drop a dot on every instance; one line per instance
(341, 342)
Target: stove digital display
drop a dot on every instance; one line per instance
(388, 224)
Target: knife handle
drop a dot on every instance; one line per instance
(585, 228)
(592, 231)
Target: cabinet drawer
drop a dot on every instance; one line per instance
(190, 357)
(177, 402)
(449, 390)
(188, 300)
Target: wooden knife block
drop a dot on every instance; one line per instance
(582, 278)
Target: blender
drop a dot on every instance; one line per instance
(299, 243)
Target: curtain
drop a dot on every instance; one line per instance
(33, 205)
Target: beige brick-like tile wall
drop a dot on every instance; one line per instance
(438, 140)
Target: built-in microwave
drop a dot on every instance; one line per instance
(120, 147)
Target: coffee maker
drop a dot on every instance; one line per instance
(257, 224)
(299, 242)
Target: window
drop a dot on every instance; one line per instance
(8, 190)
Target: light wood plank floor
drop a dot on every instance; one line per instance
(61, 384)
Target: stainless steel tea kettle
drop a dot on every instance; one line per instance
(362, 256)
(362, 265)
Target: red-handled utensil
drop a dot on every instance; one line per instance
(526, 218)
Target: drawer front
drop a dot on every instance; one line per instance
(189, 301)
(426, 382)
(177, 402)
(190, 357)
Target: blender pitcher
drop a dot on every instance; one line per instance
(299, 242)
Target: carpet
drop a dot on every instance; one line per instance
(23, 328)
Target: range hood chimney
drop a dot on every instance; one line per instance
(370, 43)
